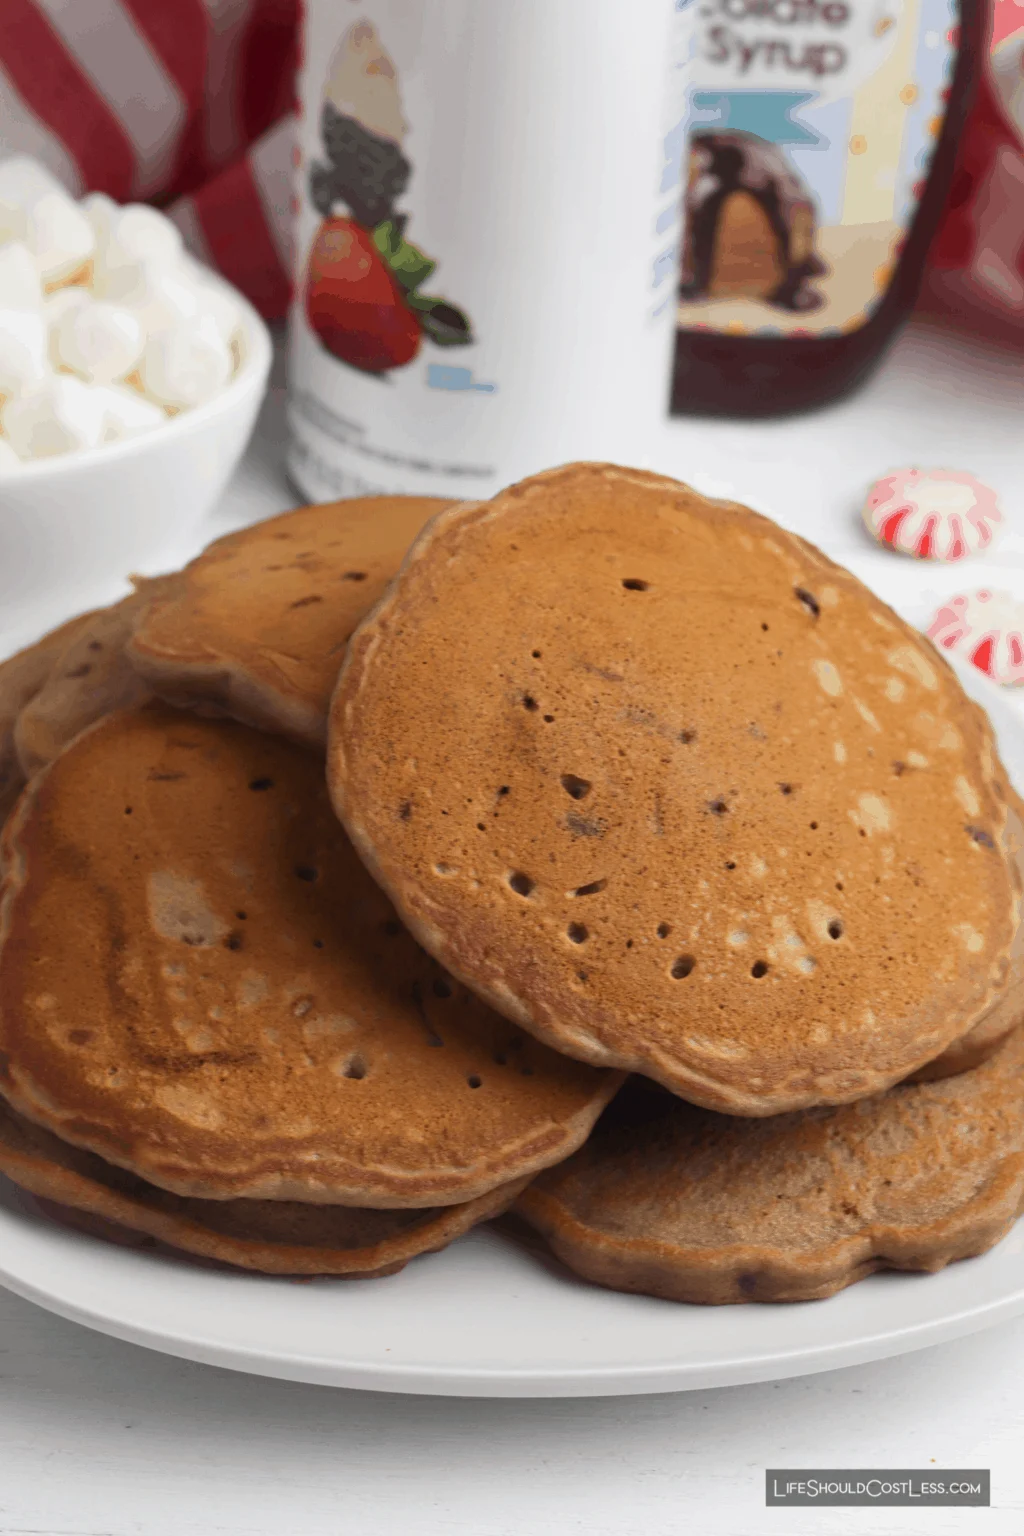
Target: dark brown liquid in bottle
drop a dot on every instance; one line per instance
(725, 375)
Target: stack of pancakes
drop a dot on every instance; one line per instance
(345, 884)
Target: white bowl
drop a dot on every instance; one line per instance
(74, 523)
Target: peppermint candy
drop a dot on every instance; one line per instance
(932, 514)
(985, 628)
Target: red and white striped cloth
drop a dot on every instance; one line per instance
(183, 103)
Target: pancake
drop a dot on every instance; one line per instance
(1007, 1012)
(679, 1202)
(21, 677)
(200, 983)
(677, 794)
(259, 624)
(277, 1237)
(89, 679)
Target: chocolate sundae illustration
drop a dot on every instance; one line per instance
(364, 285)
(750, 224)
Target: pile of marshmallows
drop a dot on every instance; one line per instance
(107, 326)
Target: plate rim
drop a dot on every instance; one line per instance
(556, 1381)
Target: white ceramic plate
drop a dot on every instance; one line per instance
(488, 1318)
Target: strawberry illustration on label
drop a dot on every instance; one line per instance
(363, 295)
(354, 304)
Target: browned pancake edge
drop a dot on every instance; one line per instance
(273, 1237)
(259, 623)
(692, 1206)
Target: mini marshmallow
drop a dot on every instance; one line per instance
(55, 307)
(93, 294)
(59, 236)
(138, 246)
(20, 287)
(102, 212)
(161, 299)
(126, 413)
(122, 282)
(62, 416)
(185, 365)
(101, 342)
(185, 293)
(12, 222)
(143, 234)
(22, 182)
(24, 364)
(217, 306)
(163, 296)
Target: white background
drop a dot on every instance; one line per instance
(99, 1438)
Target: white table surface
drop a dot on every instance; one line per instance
(99, 1438)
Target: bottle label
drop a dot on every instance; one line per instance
(812, 126)
(488, 229)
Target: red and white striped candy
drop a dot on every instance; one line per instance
(933, 514)
(986, 628)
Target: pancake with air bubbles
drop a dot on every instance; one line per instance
(677, 794)
(199, 982)
(273, 1236)
(90, 678)
(259, 623)
(679, 1202)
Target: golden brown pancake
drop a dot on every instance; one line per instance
(199, 982)
(1007, 1012)
(21, 677)
(280, 1237)
(676, 793)
(680, 1202)
(260, 622)
(89, 679)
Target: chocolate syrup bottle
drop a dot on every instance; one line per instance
(821, 148)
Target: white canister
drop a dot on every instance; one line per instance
(488, 239)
